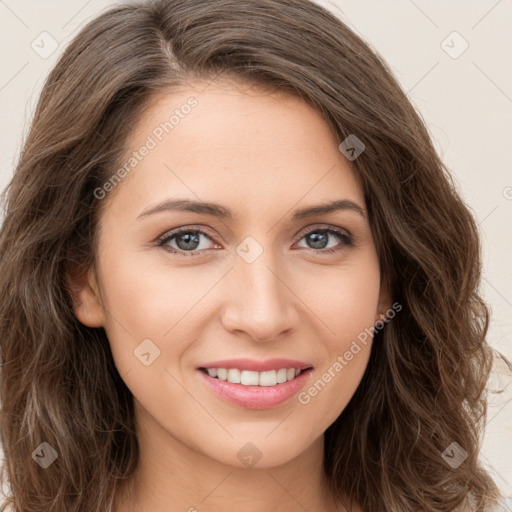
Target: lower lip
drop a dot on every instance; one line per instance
(256, 397)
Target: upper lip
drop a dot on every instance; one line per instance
(257, 366)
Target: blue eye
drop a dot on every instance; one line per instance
(188, 240)
(319, 236)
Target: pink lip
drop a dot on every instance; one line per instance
(255, 397)
(257, 366)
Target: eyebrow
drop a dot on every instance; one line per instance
(216, 210)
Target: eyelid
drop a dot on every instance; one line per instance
(323, 226)
(162, 239)
(340, 232)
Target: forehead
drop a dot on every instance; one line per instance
(231, 143)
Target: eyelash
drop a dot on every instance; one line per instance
(346, 240)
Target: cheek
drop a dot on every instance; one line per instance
(149, 298)
(344, 354)
(144, 301)
(332, 388)
(147, 292)
(349, 310)
(344, 299)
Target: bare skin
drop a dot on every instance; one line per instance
(263, 156)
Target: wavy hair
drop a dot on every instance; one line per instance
(424, 386)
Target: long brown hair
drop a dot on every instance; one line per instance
(424, 387)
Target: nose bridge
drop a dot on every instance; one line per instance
(259, 302)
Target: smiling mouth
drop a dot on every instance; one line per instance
(253, 378)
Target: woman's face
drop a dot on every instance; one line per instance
(252, 278)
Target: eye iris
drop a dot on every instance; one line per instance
(318, 238)
(189, 240)
(189, 237)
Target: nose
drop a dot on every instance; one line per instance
(259, 301)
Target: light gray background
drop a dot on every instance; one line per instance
(466, 101)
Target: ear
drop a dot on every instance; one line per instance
(385, 302)
(84, 292)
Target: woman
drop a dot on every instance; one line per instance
(236, 275)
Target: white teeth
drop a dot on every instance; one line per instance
(268, 378)
(251, 378)
(234, 376)
(281, 375)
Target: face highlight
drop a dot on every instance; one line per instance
(212, 249)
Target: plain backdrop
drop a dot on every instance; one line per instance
(453, 58)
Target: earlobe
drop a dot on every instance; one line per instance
(84, 293)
